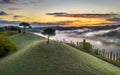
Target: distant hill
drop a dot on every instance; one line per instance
(92, 28)
(35, 57)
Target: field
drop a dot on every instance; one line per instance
(35, 57)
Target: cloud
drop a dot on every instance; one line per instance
(114, 19)
(14, 8)
(16, 17)
(19, 16)
(41, 0)
(21, 2)
(8, 1)
(2, 13)
(4, 21)
(63, 14)
(64, 22)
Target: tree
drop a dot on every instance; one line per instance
(6, 45)
(24, 24)
(49, 32)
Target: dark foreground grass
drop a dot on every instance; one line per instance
(39, 58)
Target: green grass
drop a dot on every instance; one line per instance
(108, 60)
(39, 58)
(22, 40)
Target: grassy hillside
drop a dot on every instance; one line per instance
(39, 58)
(22, 40)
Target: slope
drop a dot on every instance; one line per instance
(39, 58)
(22, 40)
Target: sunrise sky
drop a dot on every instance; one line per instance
(63, 12)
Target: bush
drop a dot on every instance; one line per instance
(6, 45)
(95, 51)
(86, 46)
(3, 33)
(10, 33)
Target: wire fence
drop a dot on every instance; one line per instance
(111, 55)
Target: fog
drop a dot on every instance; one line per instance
(91, 34)
(103, 43)
(1, 25)
(77, 35)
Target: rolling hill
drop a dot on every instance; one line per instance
(35, 57)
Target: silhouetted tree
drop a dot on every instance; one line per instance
(24, 24)
(49, 32)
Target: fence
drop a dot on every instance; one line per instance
(106, 54)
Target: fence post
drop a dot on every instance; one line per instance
(111, 55)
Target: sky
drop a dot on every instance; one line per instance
(62, 12)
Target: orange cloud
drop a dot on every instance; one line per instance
(87, 15)
(85, 19)
(72, 20)
(89, 22)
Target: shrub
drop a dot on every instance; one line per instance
(95, 51)
(3, 33)
(10, 33)
(86, 46)
(6, 45)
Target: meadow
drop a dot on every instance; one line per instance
(36, 57)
